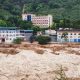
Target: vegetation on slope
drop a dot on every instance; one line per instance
(60, 9)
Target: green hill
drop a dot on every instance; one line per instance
(69, 9)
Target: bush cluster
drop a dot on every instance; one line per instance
(17, 41)
(43, 39)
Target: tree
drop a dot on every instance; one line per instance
(55, 7)
(77, 24)
(3, 23)
(36, 29)
(54, 26)
(43, 39)
(64, 36)
(25, 24)
(14, 21)
(17, 41)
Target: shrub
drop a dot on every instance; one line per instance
(60, 74)
(43, 39)
(36, 29)
(17, 41)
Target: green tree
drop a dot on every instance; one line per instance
(64, 36)
(14, 20)
(3, 23)
(54, 26)
(36, 29)
(43, 39)
(17, 41)
(25, 24)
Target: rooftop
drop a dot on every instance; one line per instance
(8, 28)
(14, 28)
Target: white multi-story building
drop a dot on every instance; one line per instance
(71, 35)
(42, 21)
(8, 34)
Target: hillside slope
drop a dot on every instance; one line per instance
(58, 8)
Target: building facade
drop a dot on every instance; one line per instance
(52, 34)
(42, 21)
(69, 35)
(8, 34)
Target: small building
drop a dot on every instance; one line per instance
(8, 34)
(68, 35)
(42, 21)
(52, 34)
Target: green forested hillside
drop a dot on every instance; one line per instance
(58, 8)
(66, 13)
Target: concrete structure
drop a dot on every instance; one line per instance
(8, 34)
(52, 34)
(71, 36)
(42, 21)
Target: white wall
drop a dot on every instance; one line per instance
(71, 36)
(9, 35)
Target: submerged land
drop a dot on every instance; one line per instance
(28, 61)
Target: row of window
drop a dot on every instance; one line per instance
(8, 39)
(71, 33)
(70, 37)
(40, 23)
(43, 25)
(40, 17)
(40, 20)
(9, 31)
(36, 18)
(45, 19)
(71, 40)
(9, 35)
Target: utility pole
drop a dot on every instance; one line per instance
(23, 10)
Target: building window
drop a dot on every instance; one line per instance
(79, 34)
(16, 31)
(3, 35)
(10, 35)
(6, 38)
(22, 34)
(59, 33)
(71, 34)
(10, 38)
(16, 34)
(59, 36)
(74, 33)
